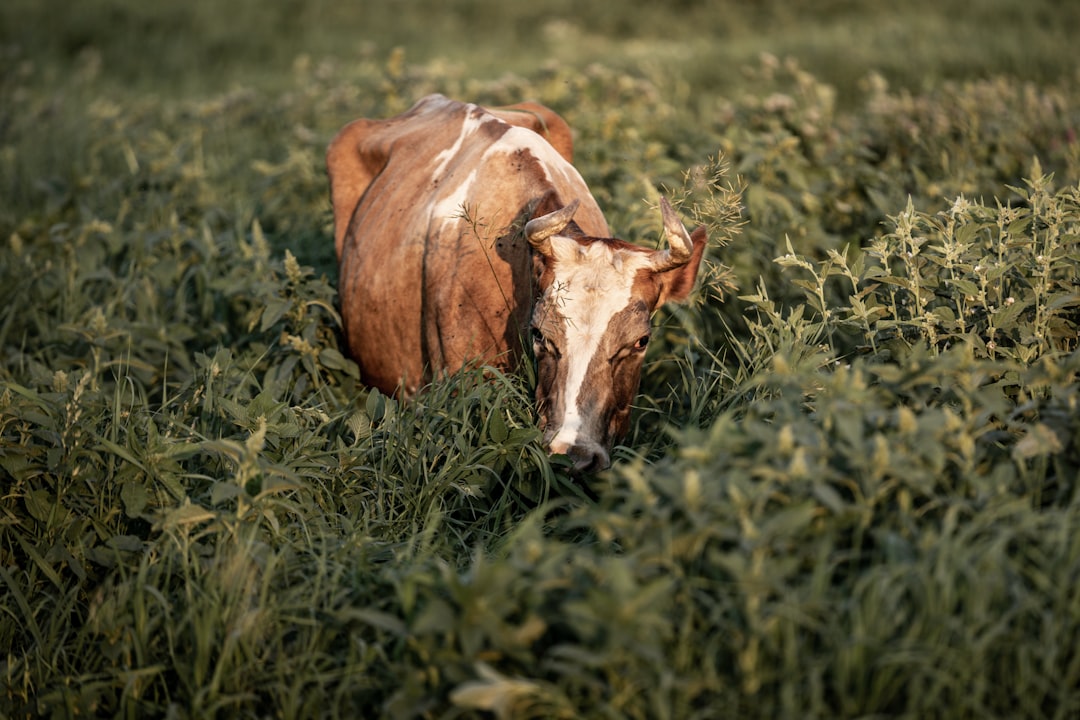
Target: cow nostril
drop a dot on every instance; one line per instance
(590, 461)
(586, 458)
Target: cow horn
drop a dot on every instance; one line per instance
(680, 246)
(538, 230)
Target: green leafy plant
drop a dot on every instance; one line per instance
(1002, 279)
(849, 488)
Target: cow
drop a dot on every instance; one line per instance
(464, 234)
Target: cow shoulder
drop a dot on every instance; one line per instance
(351, 163)
(543, 121)
(360, 151)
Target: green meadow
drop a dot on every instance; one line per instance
(850, 489)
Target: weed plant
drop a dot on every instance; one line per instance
(850, 489)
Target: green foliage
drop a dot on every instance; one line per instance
(877, 555)
(850, 489)
(1000, 279)
(199, 47)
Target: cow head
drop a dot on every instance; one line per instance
(591, 325)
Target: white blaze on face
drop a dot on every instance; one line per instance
(592, 284)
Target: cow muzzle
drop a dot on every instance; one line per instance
(587, 456)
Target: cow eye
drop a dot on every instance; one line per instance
(540, 342)
(543, 345)
(642, 343)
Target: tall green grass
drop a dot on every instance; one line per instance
(849, 489)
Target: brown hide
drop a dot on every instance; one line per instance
(458, 227)
(434, 271)
(360, 151)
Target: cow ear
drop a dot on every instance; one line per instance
(676, 284)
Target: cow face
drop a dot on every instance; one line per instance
(591, 326)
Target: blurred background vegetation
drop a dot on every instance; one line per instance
(200, 46)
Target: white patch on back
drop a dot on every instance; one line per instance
(452, 201)
(469, 125)
(592, 284)
(449, 208)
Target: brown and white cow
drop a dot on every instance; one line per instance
(458, 227)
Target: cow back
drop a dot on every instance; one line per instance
(429, 209)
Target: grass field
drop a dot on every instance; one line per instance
(850, 487)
